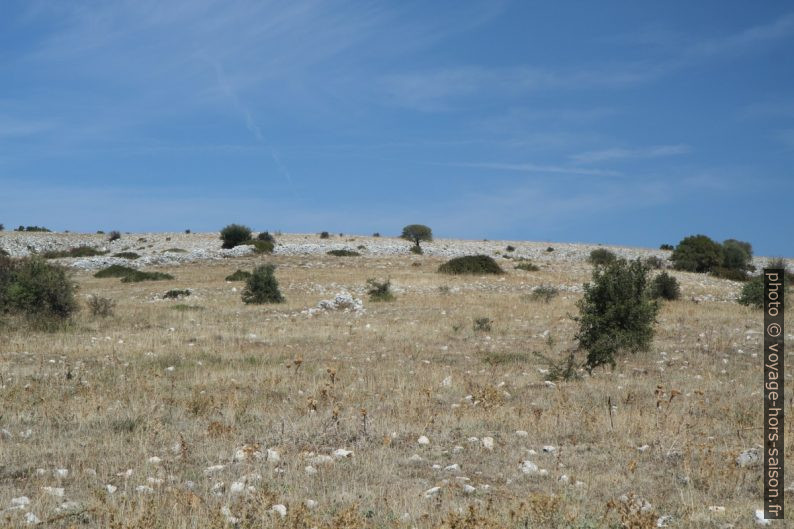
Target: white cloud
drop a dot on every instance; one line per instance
(618, 153)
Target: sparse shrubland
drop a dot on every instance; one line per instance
(471, 264)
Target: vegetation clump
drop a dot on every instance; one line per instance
(115, 271)
(417, 249)
(102, 307)
(79, 251)
(665, 286)
(266, 236)
(379, 291)
(176, 293)
(325, 235)
(544, 293)
(127, 255)
(666, 246)
(36, 288)
(235, 235)
(140, 275)
(114, 236)
(482, 324)
(471, 264)
(601, 257)
(239, 275)
(616, 313)
(752, 294)
(260, 246)
(527, 267)
(344, 253)
(175, 250)
(32, 228)
(262, 286)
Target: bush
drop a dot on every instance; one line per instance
(482, 324)
(665, 286)
(527, 267)
(239, 275)
(80, 251)
(697, 253)
(36, 288)
(343, 253)
(601, 256)
(324, 235)
(752, 293)
(2, 227)
(471, 264)
(417, 249)
(115, 271)
(262, 286)
(176, 293)
(126, 255)
(544, 293)
(175, 250)
(187, 232)
(736, 255)
(654, 262)
(616, 313)
(734, 274)
(417, 233)
(32, 228)
(510, 248)
(379, 291)
(549, 249)
(265, 236)
(138, 275)
(102, 307)
(376, 234)
(114, 236)
(260, 246)
(666, 246)
(234, 235)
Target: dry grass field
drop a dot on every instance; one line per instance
(206, 412)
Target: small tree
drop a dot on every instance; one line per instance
(417, 233)
(697, 253)
(234, 235)
(616, 313)
(262, 286)
(752, 293)
(736, 255)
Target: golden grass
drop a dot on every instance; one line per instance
(99, 399)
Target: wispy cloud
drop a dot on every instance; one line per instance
(618, 153)
(535, 168)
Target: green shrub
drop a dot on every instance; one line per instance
(544, 293)
(549, 249)
(482, 324)
(239, 275)
(736, 255)
(325, 235)
(126, 255)
(139, 275)
(176, 293)
(527, 267)
(114, 236)
(262, 286)
(102, 307)
(376, 234)
(510, 248)
(175, 250)
(654, 262)
(80, 251)
(417, 249)
(265, 236)
(234, 235)
(36, 288)
(2, 227)
(471, 264)
(752, 293)
(261, 246)
(379, 291)
(115, 271)
(616, 312)
(734, 274)
(417, 233)
(697, 253)
(32, 228)
(343, 253)
(666, 246)
(665, 286)
(187, 232)
(601, 256)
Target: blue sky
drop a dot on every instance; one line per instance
(632, 123)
